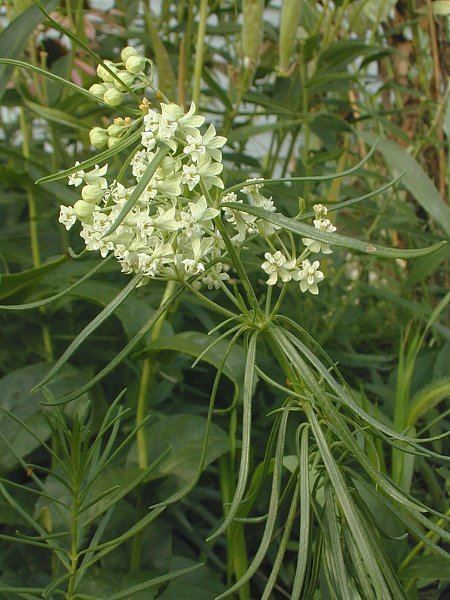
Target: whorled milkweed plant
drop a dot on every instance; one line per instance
(166, 215)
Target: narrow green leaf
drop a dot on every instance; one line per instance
(333, 239)
(98, 158)
(154, 582)
(15, 282)
(249, 379)
(330, 177)
(92, 326)
(124, 352)
(60, 294)
(303, 547)
(56, 116)
(272, 512)
(49, 75)
(140, 187)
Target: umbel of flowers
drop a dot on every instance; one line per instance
(165, 224)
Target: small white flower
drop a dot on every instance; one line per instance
(151, 121)
(277, 266)
(191, 176)
(209, 171)
(309, 276)
(215, 275)
(250, 187)
(315, 245)
(67, 216)
(76, 178)
(166, 219)
(148, 140)
(260, 201)
(198, 217)
(320, 211)
(198, 145)
(97, 176)
(190, 120)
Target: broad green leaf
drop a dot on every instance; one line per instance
(16, 397)
(415, 180)
(14, 38)
(333, 239)
(427, 567)
(184, 434)
(203, 584)
(14, 282)
(195, 343)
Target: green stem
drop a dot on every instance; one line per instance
(147, 376)
(200, 51)
(73, 550)
(34, 238)
(144, 385)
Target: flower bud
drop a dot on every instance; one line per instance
(127, 52)
(252, 31)
(113, 97)
(91, 193)
(115, 130)
(290, 20)
(98, 137)
(135, 64)
(126, 78)
(83, 209)
(104, 74)
(98, 90)
(112, 141)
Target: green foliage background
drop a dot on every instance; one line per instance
(309, 100)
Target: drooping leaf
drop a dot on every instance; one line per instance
(12, 283)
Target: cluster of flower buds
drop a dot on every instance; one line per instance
(120, 77)
(170, 229)
(100, 138)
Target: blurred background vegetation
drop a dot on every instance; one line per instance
(299, 88)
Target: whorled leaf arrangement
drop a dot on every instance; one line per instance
(82, 510)
(174, 221)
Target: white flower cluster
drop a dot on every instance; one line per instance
(279, 266)
(164, 225)
(170, 230)
(129, 74)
